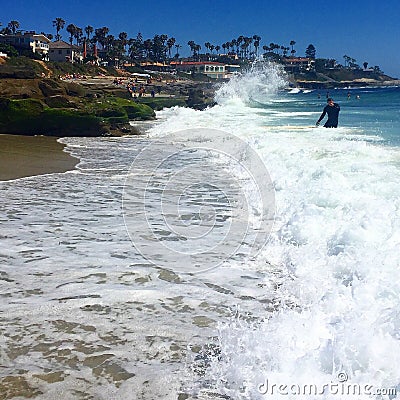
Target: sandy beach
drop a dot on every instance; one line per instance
(22, 156)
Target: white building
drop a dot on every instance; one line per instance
(36, 42)
(210, 68)
(299, 64)
(63, 51)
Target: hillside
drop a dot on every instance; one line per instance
(84, 100)
(35, 101)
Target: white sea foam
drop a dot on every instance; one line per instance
(337, 231)
(258, 84)
(84, 312)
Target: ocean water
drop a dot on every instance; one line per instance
(157, 270)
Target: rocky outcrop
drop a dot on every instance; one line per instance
(50, 87)
(59, 101)
(198, 99)
(34, 117)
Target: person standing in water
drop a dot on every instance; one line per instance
(332, 109)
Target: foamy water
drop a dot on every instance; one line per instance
(85, 315)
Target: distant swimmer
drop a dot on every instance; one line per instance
(332, 109)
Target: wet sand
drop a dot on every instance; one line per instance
(22, 156)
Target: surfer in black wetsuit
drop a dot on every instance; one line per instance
(332, 109)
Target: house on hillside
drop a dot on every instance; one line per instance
(35, 42)
(63, 51)
(211, 69)
(299, 64)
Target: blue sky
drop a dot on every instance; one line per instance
(365, 30)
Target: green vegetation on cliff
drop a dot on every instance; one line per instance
(32, 103)
(158, 103)
(115, 107)
(33, 117)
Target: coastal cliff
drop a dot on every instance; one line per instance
(37, 100)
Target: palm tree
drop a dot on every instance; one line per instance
(233, 44)
(247, 41)
(285, 51)
(13, 26)
(71, 29)
(148, 44)
(100, 35)
(239, 41)
(170, 44)
(257, 40)
(78, 36)
(197, 49)
(109, 42)
(292, 43)
(192, 45)
(88, 31)
(123, 37)
(59, 24)
(177, 46)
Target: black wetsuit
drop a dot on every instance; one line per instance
(333, 115)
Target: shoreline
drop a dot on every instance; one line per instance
(24, 156)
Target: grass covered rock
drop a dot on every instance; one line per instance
(95, 118)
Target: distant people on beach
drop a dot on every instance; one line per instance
(71, 76)
(332, 109)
